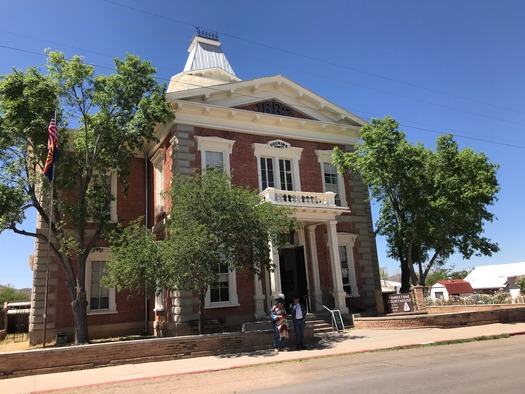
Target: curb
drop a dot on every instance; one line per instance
(294, 359)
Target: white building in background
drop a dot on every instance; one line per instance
(390, 286)
(444, 289)
(488, 279)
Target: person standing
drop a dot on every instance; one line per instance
(298, 318)
(280, 327)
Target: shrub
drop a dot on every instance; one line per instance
(520, 281)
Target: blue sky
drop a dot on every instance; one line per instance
(436, 66)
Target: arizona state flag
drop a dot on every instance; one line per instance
(52, 148)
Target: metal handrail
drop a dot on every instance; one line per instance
(332, 312)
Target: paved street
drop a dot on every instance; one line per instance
(351, 344)
(473, 367)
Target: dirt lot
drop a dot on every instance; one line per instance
(13, 344)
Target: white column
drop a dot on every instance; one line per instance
(275, 275)
(351, 266)
(258, 297)
(317, 292)
(301, 242)
(338, 292)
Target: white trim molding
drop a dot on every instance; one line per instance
(276, 150)
(157, 161)
(347, 240)
(100, 255)
(215, 144)
(325, 156)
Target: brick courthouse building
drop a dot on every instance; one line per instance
(269, 134)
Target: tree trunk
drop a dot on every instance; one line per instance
(405, 271)
(405, 277)
(202, 299)
(79, 307)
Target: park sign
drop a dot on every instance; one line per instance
(399, 303)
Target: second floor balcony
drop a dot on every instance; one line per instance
(301, 199)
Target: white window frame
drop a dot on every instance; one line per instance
(285, 152)
(347, 240)
(215, 144)
(232, 289)
(159, 300)
(325, 156)
(100, 255)
(157, 161)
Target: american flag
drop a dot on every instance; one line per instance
(52, 148)
(52, 134)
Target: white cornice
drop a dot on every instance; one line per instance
(246, 92)
(215, 117)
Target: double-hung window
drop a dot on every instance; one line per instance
(101, 299)
(158, 165)
(346, 243)
(220, 291)
(285, 175)
(214, 160)
(266, 172)
(98, 295)
(102, 194)
(278, 165)
(215, 152)
(332, 180)
(345, 273)
(223, 292)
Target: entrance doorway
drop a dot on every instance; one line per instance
(293, 274)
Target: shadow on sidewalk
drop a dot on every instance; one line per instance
(318, 342)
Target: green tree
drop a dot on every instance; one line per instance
(135, 262)
(436, 275)
(212, 223)
(10, 294)
(459, 274)
(520, 281)
(115, 114)
(442, 273)
(432, 203)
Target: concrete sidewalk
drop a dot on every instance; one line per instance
(351, 341)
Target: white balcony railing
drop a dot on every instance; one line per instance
(305, 199)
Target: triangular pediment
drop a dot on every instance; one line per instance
(274, 107)
(276, 95)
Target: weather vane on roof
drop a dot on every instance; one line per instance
(206, 34)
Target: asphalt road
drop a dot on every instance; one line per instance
(490, 366)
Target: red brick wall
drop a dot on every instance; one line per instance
(471, 308)
(133, 204)
(472, 317)
(244, 172)
(244, 164)
(130, 307)
(70, 358)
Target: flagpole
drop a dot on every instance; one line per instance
(51, 198)
(48, 256)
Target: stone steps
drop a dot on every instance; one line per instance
(321, 322)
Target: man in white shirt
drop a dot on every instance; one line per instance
(298, 318)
